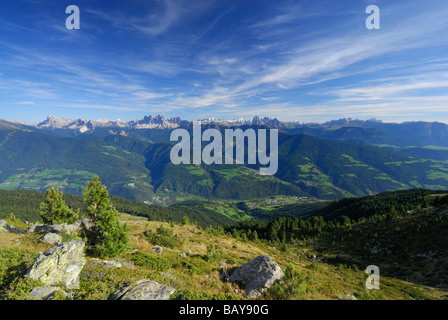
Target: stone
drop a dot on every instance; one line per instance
(60, 228)
(144, 290)
(67, 228)
(45, 293)
(5, 227)
(157, 249)
(350, 296)
(257, 275)
(168, 275)
(62, 263)
(37, 227)
(443, 213)
(109, 264)
(86, 223)
(51, 238)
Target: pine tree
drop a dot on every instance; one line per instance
(54, 210)
(185, 221)
(255, 236)
(108, 237)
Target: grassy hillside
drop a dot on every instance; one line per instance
(333, 170)
(192, 262)
(37, 161)
(321, 259)
(407, 243)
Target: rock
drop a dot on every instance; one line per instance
(443, 213)
(257, 275)
(144, 290)
(5, 227)
(68, 228)
(45, 293)
(109, 264)
(157, 249)
(62, 263)
(168, 275)
(350, 296)
(60, 228)
(37, 227)
(51, 238)
(85, 222)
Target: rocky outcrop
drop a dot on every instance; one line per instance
(257, 275)
(5, 227)
(60, 264)
(144, 290)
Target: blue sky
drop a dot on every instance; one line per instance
(308, 61)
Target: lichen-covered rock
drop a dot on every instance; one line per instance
(257, 275)
(62, 263)
(144, 290)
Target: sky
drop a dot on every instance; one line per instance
(307, 61)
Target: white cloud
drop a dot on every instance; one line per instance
(25, 102)
(145, 95)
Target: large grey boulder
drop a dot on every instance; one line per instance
(5, 227)
(257, 275)
(62, 263)
(68, 228)
(144, 290)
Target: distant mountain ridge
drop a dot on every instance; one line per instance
(83, 125)
(148, 122)
(372, 131)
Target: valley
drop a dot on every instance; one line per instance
(334, 207)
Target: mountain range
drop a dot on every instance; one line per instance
(372, 131)
(324, 161)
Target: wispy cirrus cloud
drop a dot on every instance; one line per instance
(329, 59)
(288, 59)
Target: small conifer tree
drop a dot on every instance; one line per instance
(54, 210)
(107, 237)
